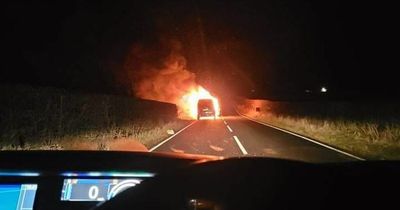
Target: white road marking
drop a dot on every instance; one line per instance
(169, 138)
(303, 137)
(216, 148)
(229, 128)
(225, 122)
(240, 145)
(177, 150)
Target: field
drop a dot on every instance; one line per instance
(50, 118)
(367, 129)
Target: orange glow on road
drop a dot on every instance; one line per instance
(189, 101)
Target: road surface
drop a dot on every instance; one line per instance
(238, 136)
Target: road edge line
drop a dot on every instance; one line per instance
(303, 137)
(169, 138)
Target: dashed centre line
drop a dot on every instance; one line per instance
(240, 145)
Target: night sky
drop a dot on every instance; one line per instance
(260, 49)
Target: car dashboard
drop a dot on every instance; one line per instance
(39, 180)
(24, 190)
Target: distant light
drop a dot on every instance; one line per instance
(324, 90)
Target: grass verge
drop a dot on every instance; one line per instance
(377, 139)
(121, 138)
(53, 119)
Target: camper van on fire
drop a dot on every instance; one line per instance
(205, 108)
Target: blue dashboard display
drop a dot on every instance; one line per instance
(95, 189)
(17, 196)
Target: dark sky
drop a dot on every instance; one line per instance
(276, 48)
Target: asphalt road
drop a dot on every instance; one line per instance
(238, 136)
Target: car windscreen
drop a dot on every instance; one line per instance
(306, 80)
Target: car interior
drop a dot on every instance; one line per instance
(133, 180)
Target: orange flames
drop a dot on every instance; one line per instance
(188, 104)
(165, 79)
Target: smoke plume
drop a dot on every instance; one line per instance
(160, 73)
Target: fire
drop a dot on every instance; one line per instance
(189, 101)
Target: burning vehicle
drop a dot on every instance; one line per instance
(199, 103)
(205, 108)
